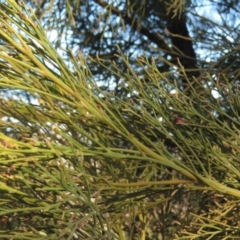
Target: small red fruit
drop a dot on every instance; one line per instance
(179, 120)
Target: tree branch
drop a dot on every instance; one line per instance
(153, 37)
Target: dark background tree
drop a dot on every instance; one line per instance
(152, 27)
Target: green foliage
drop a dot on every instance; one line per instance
(80, 162)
